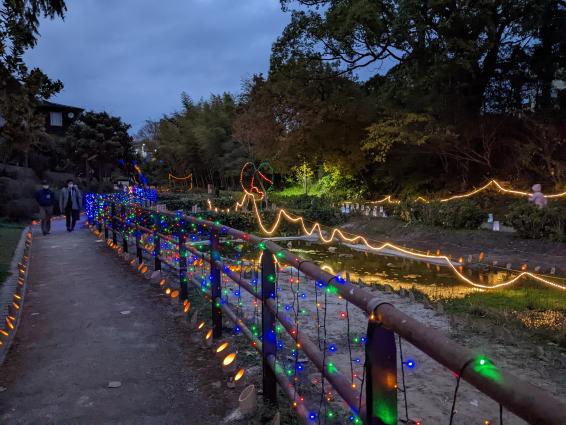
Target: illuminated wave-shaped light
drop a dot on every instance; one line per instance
(338, 234)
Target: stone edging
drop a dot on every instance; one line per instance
(12, 293)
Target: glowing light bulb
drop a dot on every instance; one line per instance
(239, 374)
(229, 359)
(222, 347)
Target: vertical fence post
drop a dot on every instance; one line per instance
(216, 284)
(156, 243)
(105, 222)
(139, 251)
(125, 229)
(183, 253)
(113, 222)
(99, 217)
(381, 372)
(269, 343)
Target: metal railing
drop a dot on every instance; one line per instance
(384, 320)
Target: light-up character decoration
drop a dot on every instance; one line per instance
(256, 181)
(537, 197)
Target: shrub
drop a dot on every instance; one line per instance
(531, 222)
(21, 209)
(241, 221)
(461, 214)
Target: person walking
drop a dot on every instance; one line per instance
(45, 198)
(70, 202)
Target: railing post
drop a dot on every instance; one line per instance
(113, 222)
(99, 217)
(139, 251)
(216, 284)
(269, 343)
(156, 243)
(183, 253)
(125, 229)
(105, 226)
(381, 372)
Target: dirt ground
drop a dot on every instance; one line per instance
(429, 386)
(497, 246)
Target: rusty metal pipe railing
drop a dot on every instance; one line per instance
(521, 398)
(284, 383)
(338, 380)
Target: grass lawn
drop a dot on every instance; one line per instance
(541, 310)
(513, 300)
(9, 236)
(313, 190)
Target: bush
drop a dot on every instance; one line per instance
(312, 208)
(462, 214)
(21, 209)
(531, 222)
(241, 221)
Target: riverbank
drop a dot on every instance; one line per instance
(502, 248)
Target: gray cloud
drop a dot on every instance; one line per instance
(133, 58)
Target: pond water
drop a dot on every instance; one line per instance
(372, 269)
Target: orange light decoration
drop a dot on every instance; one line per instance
(3, 332)
(229, 359)
(208, 335)
(162, 282)
(189, 177)
(168, 291)
(174, 294)
(490, 184)
(239, 374)
(339, 235)
(200, 326)
(222, 347)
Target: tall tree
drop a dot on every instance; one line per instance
(19, 86)
(452, 78)
(97, 142)
(304, 112)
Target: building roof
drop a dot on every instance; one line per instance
(44, 104)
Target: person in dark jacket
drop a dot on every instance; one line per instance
(70, 202)
(45, 198)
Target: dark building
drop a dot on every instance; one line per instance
(58, 117)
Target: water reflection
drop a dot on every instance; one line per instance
(435, 281)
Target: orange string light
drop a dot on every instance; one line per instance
(492, 183)
(340, 235)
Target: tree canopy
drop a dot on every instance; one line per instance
(453, 93)
(20, 87)
(99, 141)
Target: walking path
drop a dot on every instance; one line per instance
(90, 320)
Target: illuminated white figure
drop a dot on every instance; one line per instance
(537, 196)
